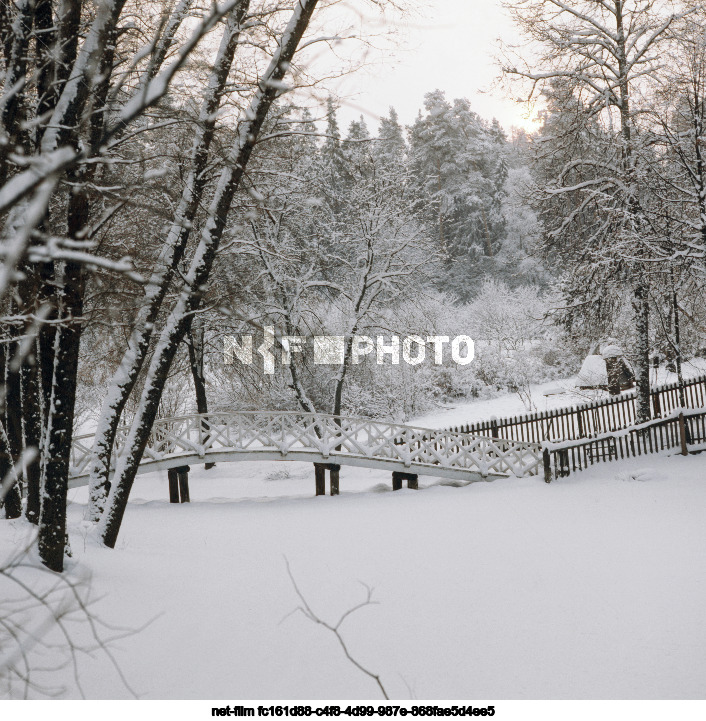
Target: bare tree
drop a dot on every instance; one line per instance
(47, 622)
(602, 53)
(269, 89)
(74, 88)
(167, 263)
(337, 248)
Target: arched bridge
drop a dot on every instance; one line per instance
(321, 439)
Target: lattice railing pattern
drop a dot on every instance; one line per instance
(333, 438)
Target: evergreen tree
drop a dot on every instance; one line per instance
(458, 162)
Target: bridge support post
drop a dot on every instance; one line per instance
(179, 484)
(173, 485)
(399, 476)
(320, 477)
(333, 470)
(183, 472)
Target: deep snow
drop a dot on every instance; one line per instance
(591, 587)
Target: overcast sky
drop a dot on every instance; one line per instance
(450, 45)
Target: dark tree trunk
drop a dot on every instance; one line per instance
(180, 319)
(13, 394)
(47, 335)
(31, 407)
(641, 305)
(677, 343)
(30, 386)
(12, 114)
(12, 499)
(59, 434)
(195, 344)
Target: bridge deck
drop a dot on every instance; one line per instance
(319, 438)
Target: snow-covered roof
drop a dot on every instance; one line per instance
(593, 373)
(612, 351)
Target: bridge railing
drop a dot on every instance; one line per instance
(292, 432)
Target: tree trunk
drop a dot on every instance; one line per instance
(180, 319)
(195, 343)
(31, 407)
(641, 306)
(12, 499)
(56, 456)
(677, 343)
(131, 364)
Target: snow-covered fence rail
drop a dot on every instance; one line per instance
(681, 430)
(590, 419)
(322, 439)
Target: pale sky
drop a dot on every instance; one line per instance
(450, 45)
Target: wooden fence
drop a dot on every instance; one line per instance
(676, 432)
(589, 419)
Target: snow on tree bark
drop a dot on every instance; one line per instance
(601, 52)
(175, 244)
(180, 318)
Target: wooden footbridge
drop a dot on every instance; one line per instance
(326, 441)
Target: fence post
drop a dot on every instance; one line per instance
(682, 435)
(656, 404)
(547, 466)
(494, 427)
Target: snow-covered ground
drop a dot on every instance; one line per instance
(591, 587)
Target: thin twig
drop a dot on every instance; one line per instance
(305, 608)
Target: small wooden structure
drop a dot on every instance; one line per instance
(608, 370)
(411, 478)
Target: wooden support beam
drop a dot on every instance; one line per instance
(320, 478)
(546, 458)
(173, 477)
(683, 435)
(399, 476)
(183, 475)
(334, 470)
